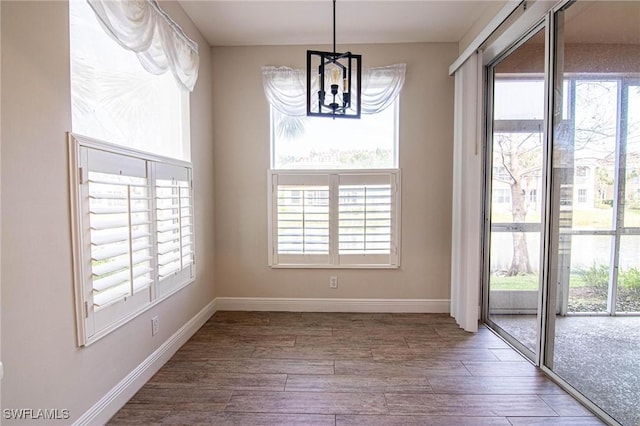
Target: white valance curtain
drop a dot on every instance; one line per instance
(142, 27)
(285, 88)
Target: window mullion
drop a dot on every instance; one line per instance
(180, 237)
(365, 223)
(334, 219)
(395, 217)
(153, 227)
(130, 232)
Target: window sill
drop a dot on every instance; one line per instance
(312, 266)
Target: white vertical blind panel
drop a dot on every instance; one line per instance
(467, 196)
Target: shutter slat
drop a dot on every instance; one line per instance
(102, 284)
(100, 209)
(169, 257)
(116, 294)
(119, 223)
(167, 248)
(167, 227)
(110, 267)
(167, 270)
(109, 297)
(110, 196)
(107, 253)
(165, 237)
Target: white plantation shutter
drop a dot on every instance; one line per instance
(119, 208)
(133, 233)
(174, 216)
(366, 221)
(117, 253)
(334, 219)
(302, 219)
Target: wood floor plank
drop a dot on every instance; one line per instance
(486, 341)
(389, 330)
(467, 405)
(555, 421)
(203, 351)
(529, 385)
(565, 405)
(239, 318)
(502, 369)
(244, 381)
(219, 380)
(373, 420)
(410, 354)
(251, 419)
(227, 340)
(133, 415)
(271, 330)
(307, 402)
(272, 366)
(312, 352)
(358, 341)
(401, 368)
(506, 354)
(194, 397)
(431, 319)
(356, 383)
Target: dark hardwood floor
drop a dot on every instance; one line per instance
(268, 368)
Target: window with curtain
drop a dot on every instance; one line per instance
(132, 69)
(117, 95)
(335, 184)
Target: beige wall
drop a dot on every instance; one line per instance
(241, 139)
(43, 366)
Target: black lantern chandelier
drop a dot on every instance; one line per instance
(338, 84)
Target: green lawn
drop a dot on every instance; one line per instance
(584, 218)
(527, 282)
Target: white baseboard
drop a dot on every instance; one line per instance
(115, 399)
(332, 305)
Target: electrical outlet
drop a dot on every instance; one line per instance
(154, 326)
(333, 282)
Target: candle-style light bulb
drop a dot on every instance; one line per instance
(335, 75)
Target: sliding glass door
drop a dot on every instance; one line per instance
(562, 215)
(593, 327)
(516, 152)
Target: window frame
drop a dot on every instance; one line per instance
(80, 230)
(334, 259)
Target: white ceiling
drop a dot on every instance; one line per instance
(267, 22)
